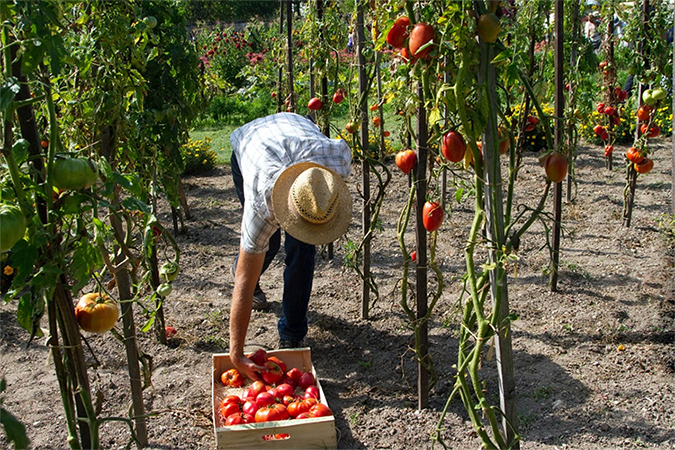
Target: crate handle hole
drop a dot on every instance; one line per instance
(276, 437)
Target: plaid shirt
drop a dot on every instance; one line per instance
(264, 148)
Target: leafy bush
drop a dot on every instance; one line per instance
(235, 110)
(198, 156)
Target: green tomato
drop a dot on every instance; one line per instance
(150, 22)
(169, 271)
(164, 289)
(12, 226)
(648, 98)
(659, 93)
(74, 173)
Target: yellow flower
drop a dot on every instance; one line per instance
(621, 347)
(8, 270)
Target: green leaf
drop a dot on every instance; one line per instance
(14, 430)
(459, 194)
(86, 259)
(8, 92)
(29, 311)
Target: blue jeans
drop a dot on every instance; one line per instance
(298, 273)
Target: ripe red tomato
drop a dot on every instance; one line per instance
(650, 131)
(432, 216)
(453, 146)
(504, 142)
(307, 379)
(406, 160)
(286, 380)
(338, 97)
(227, 409)
(421, 35)
(271, 413)
(609, 149)
(170, 332)
(645, 166)
(279, 362)
(250, 407)
(304, 415)
(531, 123)
(258, 357)
(96, 312)
(398, 33)
(314, 104)
(232, 378)
(264, 399)
(320, 410)
(413, 255)
(556, 167)
(634, 155)
(644, 113)
(273, 374)
(405, 54)
(284, 390)
(238, 419)
(489, 27)
(312, 392)
(44, 143)
(609, 110)
(294, 374)
(300, 406)
(598, 129)
(374, 107)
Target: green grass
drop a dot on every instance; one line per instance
(220, 142)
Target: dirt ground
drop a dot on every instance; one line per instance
(576, 389)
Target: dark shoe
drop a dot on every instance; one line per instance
(259, 299)
(283, 343)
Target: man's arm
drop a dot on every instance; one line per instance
(249, 266)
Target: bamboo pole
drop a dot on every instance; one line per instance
(365, 165)
(559, 112)
(421, 246)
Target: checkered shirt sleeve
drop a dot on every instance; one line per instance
(264, 148)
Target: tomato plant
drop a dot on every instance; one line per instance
(432, 216)
(96, 312)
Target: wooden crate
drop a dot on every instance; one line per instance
(316, 432)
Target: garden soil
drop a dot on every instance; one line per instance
(594, 361)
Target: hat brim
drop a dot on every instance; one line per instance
(304, 231)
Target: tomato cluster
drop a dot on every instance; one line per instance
(285, 394)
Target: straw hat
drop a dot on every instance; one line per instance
(312, 203)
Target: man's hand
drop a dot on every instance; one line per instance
(248, 368)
